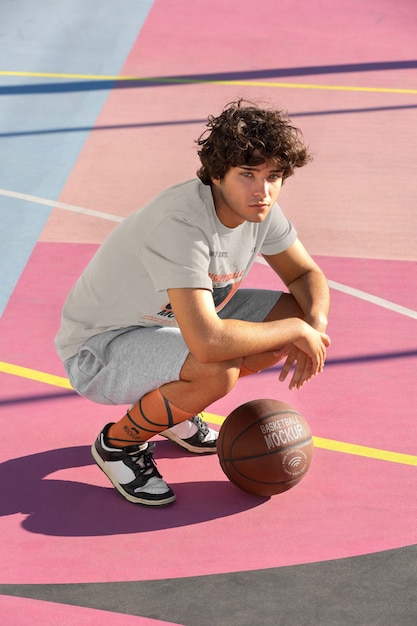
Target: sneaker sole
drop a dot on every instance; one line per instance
(135, 499)
(185, 445)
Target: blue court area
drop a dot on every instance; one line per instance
(48, 106)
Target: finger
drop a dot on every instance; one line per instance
(326, 340)
(286, 368)
(323, 358)
(319, 364)
(302, 373)
(295, 382)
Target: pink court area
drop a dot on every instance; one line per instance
(342, 203)
(59, 508)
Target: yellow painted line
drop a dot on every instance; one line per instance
(42, 377)
(313, 86)
(213, 419)
(370, 453)
(347, 448)
(319, 442)
(175, 80)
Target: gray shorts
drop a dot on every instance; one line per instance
(121, 366)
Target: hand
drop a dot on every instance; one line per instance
(308, 353)
(303, 368)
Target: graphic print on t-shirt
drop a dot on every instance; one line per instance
(222, 292)
(167, 312)
(221, 296)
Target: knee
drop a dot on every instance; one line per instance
(220, 378)
(208, 382)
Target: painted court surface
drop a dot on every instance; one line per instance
(100, 107)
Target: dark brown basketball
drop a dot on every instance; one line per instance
(265, 447)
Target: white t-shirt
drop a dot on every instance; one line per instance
(174, 241)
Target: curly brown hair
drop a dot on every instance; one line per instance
(245, 134)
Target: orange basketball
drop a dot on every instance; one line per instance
(265, 447)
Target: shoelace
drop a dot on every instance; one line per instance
(201, 425)
(144, 459)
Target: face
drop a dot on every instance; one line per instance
(246, 193)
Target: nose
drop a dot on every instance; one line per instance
(261, 189)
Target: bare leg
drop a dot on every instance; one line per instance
(201, 384)
(175, 402)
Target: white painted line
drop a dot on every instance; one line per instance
(61, 205)
(363, 295)
(351, 291)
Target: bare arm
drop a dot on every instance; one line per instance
(307, 283)
(211, 339)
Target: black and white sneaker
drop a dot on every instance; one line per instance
(194, 435)
(132, 471)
